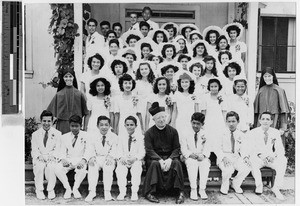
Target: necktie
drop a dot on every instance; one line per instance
(232, 142)
(74, 140)
(129, 142)
(45, 138)
(196, 139)
(90, 37)
(266, 136)
(103, 140)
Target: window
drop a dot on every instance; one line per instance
(165, 14)
(277, 44)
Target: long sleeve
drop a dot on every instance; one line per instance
(149, 148)
(176, 146)
(184, 146)
(34, 146)
(141, 149)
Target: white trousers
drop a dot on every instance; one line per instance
(193, 167)
(279, 165)
(135, 170)
(237, 164)
(39, 170)
(93, 174)
(61, 173)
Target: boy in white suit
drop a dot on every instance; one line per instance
(267, 150)
(130, 153)
(231, 155)
(101, 154)
(73, 146)
(45, 146)
(195, 150)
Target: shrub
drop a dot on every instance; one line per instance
(31, 126)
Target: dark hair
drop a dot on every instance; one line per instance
(185, 50)
(93, 84)
(165, 47)
(214, 69)
(46, 113)
(205, 53)
(171, 26)
(191, 88)
(232, 65)
(97, 56)
(111, 32)
(270, 71)
(198, 116)
(102, 23)
(233, 27)
(117, 24)
(237, 81)
(92, 20)
(169, 66)
(218, 41)
(155, 86)
(183, 30)
(159, 32)
(197, 64)
(76, 119)
(131, 118)
(134, 12)
(266, 112)
(151, 56)
(102, 117)
(118, 62)
(211, 32)
(116, 41)
(214, 81)
(199, 35)
(224, 52)
(62, 83)
(147, 8)
(183, 56)
(132, 36)
(134, 56)
(143, 23)
(150, 76)
(233, 114)
(144, 44)
(126, 77)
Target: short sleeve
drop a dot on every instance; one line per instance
(243, 47)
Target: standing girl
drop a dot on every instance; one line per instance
(197, 69)
(199, 49)
(211, 34)
(210, 72)
(231, 70)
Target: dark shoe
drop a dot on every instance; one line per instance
(180, 198)
(258, 193)
(152, 198)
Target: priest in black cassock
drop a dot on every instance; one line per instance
(164, 170)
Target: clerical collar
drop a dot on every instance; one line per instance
(161, 128)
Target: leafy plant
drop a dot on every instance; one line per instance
(31, 126)
(290, 136)
(241, 14)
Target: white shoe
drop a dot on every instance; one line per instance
(259, 190)
(40, 194)
(121, 196)
(90, 196)
(203, 194)
(107, 196)
(68, 193)
(76, 193)
(193, 194)
(134, 196)
(51, 195)
(237, 189)
(278, 194)
(223, 190)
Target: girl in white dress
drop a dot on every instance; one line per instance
(126, 104)
(185, 102)
(223, 58)
(210, 72)
(161, 90)
(118, 67)
(199, 49)
(144, 85)
(197, 68)
(168, 71)
(231, 70)
(211, 34)
(168, 52)
(99, 103)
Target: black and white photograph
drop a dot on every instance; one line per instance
(151, 103)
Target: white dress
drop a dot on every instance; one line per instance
(125, 107)
(237, 49)
(204, 82)
(185, 110)
(97, 108)
(214, 121)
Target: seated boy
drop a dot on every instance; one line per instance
(100, 154)
(73, 146)
(130, 153)
(45, 145)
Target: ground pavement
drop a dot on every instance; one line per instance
(214, 196)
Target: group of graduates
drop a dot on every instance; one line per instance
(159, 97)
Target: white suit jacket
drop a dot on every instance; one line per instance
(67, 150)
(257, 143)
(52, 145)
(94, 45)
(187, 143)
(137, 148)
(95, 147)
(153, 25)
